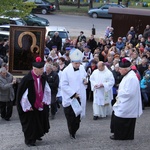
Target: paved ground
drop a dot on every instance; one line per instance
(92, 135)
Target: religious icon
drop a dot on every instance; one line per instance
(26, 43)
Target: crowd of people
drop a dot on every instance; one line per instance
(132, 45)
(106, 72)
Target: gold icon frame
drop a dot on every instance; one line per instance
(25, 44)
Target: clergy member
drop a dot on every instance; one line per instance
(102, 81)
(33, 100)
(128, 103)
(73, 85)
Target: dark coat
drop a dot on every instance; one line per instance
(34, 123)
(53, 81)
(81, 38)
(141, 69)
(49, 44)
(146, 33)
(93, 45)
(57, 41)
(118, 77)
(3, 50)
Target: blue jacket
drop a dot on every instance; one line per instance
(120, 45)
(143, 83)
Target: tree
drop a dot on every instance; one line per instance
(8, 7)
(57, 5)
(119, 2)
(78, 3)
(90, 4)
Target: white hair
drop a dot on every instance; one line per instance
(3, 70)
(116, 65)
(49, 66)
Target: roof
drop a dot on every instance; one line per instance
(129, 11)
(5, 26)
(4, 32)
(14, 18)
(55, 28)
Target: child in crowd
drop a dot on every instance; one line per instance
(144, 88)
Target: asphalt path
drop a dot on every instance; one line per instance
(76, 23)
(92, 135)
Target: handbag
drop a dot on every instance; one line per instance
(76, 107)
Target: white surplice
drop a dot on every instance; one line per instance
(128, 104)
(71, 83)
(46, 99)
(102, 95)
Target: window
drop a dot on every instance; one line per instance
(105, 7)
(3, 36)
(61, 34)
(38, 1)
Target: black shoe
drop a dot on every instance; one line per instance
(58, 106)
(53, 117)
(39, 139)
(31, 144)
(95, 117)
(112, 137)
(73, 136)
(7, 119)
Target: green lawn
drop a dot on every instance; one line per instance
(73, 9)
(84, 9)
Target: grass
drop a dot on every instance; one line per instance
(73, 9)
(67, 9)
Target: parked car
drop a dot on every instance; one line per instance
(5, 27)
(63, 32)
(43, 6)
(33, 20)
(4, 35)
(102, 11)
(16, 21)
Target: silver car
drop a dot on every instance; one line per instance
(63, 32)
(102, 11)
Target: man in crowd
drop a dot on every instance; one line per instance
(33, 100)
(53, 81)
(81, 37)
(87, 56)
(3, 49)
(102, 81)
(6, 93)
(92, 43)
(73, 86)
(57, 41)
(128, 104)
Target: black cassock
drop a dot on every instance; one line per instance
(34, 123)
(73, 122)
(123, 128)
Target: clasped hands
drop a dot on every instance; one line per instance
(97, 86)
(31, 109)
